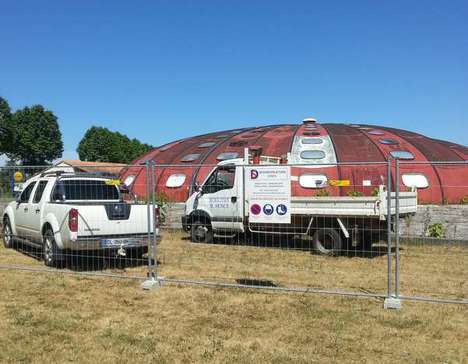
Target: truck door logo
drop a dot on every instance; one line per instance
(253, 174)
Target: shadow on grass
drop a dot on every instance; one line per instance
(297, 244)
(90, 260)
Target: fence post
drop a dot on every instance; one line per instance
(397, 228)
(389, 227)
(151, 281)
(391, 302)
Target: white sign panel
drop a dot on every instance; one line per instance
(268, 192)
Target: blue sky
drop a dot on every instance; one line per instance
(163, 70)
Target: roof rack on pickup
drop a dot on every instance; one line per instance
(76, 174)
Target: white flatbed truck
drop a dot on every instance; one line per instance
(220, 207)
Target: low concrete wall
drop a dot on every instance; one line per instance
(454, 219)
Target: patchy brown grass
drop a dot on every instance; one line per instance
(58, 318)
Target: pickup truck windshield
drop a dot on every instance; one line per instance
(83, 189)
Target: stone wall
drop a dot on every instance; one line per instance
(454, 220)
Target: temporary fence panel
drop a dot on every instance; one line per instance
(433, 243)
(317, 228)
(75, 220)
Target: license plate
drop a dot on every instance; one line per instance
(115, 242)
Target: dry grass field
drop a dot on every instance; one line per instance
(48, 317)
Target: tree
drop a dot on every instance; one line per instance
(34, 136)
(5, 126)
(103, 145)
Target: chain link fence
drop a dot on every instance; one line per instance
(329, 229)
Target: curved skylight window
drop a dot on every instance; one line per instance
(190, 157)
(175, 180)
(376, 132)
(206, 145)
(312, 141)
(388, 141)
(238, 143)
(312, 154)
(310, 132)
(222, 136)
(166, 147)
(401, 154)
(227, 155)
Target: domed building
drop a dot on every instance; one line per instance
(319, 153)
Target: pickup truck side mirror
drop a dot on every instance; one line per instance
(18, 199)
(197, 187)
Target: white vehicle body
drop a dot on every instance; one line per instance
(225, 210)
(102, 219)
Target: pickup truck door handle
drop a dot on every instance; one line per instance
(38, 210)
(233, 199)
(26, 209)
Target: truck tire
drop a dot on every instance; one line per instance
(327, 242)
(8, 241)
(201, 232)
(50, 251)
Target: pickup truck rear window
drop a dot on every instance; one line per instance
(66, 190)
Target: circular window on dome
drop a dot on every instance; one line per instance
(206, 145)
(401, 154)
(313, 154)
(227, 155)
(175, 180)
(190, 157)
(376, 132)
(388, 141)
(312, 141)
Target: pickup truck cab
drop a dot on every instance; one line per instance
(61, 212)
(219, 207)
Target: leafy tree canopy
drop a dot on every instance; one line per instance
(30, 136)
(103, 145)
(5, 124)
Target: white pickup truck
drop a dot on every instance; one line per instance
(220, 207)
(60, 212)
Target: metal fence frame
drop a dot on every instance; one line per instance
(392, 297)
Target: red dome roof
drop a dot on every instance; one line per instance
(182, 163)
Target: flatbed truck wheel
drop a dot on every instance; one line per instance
(201, 232)
(327, 242)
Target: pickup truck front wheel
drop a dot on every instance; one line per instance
(327, 241)
(50, 250)
(7, 234)
(201, 232)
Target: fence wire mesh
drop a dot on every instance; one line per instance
(72, 219)
(336, 239)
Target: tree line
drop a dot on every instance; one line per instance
(31, 136)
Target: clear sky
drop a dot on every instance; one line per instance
(163, 70)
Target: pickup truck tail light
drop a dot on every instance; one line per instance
(73, 220)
